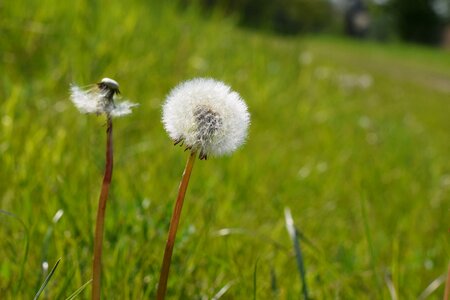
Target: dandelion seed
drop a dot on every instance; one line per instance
(354, 81)
(305, 58)
(99, 99)
(206, 116)
(304, 172)
(322, 167)
(364, 122)
(322, 73)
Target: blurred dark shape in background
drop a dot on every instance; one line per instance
(281, 16)
(446, 37)
(357, 19)
(417, 21)
(293, 17)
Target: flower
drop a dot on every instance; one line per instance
(207, 116)
(100, 99)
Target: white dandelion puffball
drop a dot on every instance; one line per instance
(207, 116)
(100, 99)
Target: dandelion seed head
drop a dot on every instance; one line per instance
(109, 87)
(100, 99)
(110, 83)
(207, 116)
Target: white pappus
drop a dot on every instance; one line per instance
(100, 99)
(207, 116)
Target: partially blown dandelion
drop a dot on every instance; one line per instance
(100, 100)
(209, 119)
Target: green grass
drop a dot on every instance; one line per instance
(365, 171)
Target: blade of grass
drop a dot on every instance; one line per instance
(222, 291)
(390, 285)
(47, 241)
(25, 254)
(78, 291)
(432, 287)
(255, 272)
(298, 252)
(368, 235)
(46, 281)
(46, 244)
(273, 283)
(63, 285)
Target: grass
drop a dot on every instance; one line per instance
(363, 166)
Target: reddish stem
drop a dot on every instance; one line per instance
(98, 240)
(164, 275)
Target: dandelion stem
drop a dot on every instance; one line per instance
(162, 285)
(98, 240)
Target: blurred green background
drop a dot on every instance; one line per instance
(352, 135)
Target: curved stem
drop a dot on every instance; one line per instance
(98, 239)
(164, 275)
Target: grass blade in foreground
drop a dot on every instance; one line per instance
(255, 273)
(79, 290)
(222, 291)
(25, 254)
(47, 279)
(298, 252)
(209, 118)
(432, 287)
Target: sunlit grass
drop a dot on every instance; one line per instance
(363, 167)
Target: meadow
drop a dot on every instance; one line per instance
(352, 136)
